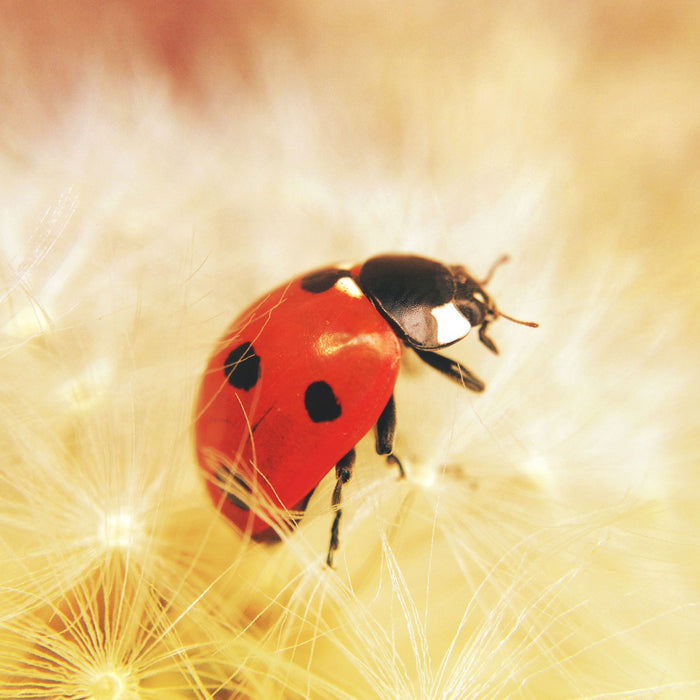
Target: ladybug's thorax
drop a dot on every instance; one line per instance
(418, 297)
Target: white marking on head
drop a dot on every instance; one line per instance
(451, 324)
(348, 286)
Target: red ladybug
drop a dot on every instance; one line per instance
(305, 372)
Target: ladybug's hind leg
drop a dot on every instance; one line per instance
(343, 472)
(384, 431)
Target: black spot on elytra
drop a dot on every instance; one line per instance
(242, 367)
(224, 477)
(321, 403)
(322, 280)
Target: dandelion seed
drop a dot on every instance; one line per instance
(120, 531)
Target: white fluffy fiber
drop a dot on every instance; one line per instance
(162, 166)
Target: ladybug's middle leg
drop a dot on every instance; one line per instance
(384, 433)
(343, 472)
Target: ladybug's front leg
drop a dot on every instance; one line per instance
(384, 432)
(451, 369)
(343, 472)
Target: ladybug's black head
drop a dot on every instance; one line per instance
(429, 305)
(474, 303)
(471, 299)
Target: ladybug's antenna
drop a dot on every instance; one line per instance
(496, 264)
(531, 324)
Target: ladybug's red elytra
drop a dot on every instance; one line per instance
(306, 371)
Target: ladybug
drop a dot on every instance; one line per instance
(307, 370)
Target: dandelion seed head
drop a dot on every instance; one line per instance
(540, 472)
(26, 323)
(112, 684)
(120, 531)
(423, 475)
(84, 389)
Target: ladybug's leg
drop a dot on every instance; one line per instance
(451, 369)
(384, 432)
(485, 339)
(343, 472)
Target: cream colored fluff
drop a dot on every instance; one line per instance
(161, 167)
